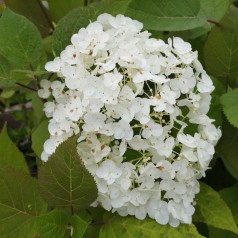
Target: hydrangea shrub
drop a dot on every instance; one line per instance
(139, 106)
(111, 113)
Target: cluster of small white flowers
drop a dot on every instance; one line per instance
(139, 106)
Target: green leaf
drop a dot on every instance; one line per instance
(37, 106)
(166, 15)
(33, 11)
(229, 102)
(130, 227)
(215, 111)
(81, 17)
(213, 211)
(60, 8)
(5, 73)
(39, 136)
(221, 48)
(64, 181)
(19, 201)
(7, 93)
(213, 10)
(9, 153)
(54, 225)
(79, 225)
(218, 233)
(228, 148)
(20, 40)
(230, 196)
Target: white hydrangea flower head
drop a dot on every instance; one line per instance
(133, 99)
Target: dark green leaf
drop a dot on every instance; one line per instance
(130, 227)
(215, 111)
(229, 149)
(64, 181)
(54, 224)
(19, 201)
(166, 15)
(33, 11)
(9, 153)
(218, 233)
(20, 40)
(212, 10)
(229, 102)
(213, 211)
(221, 48)
(39, 136)
(60, 8)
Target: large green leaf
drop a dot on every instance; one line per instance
(229, 102)
(221, 48)
(60, 8)
(19, 201)
(230, 196)
(64, 181)
(54, 225)
(228, 148)
(166, 15)
(33, 11)
(20, 40)
(81, 17)
(39, 136)
(130, 227)
(213, 211)
(212, 10)
(9, 153)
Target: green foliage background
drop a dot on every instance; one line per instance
(32, 201)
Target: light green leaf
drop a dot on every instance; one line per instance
(221, 48)
(166, 15)
(54, 224)
(212, 10)
(229, 102)
(20, 40)
(213, 211)
(60, 8)
(64, 181)
(9, 153)
(130, 227)
(228, 148)
(7, 93)
(5, 73)
(230, 196)
(39, 136)
(81, 17)
(37, 106)
(79, 225)
(19, 201)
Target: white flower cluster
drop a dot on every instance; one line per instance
(139, 106)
